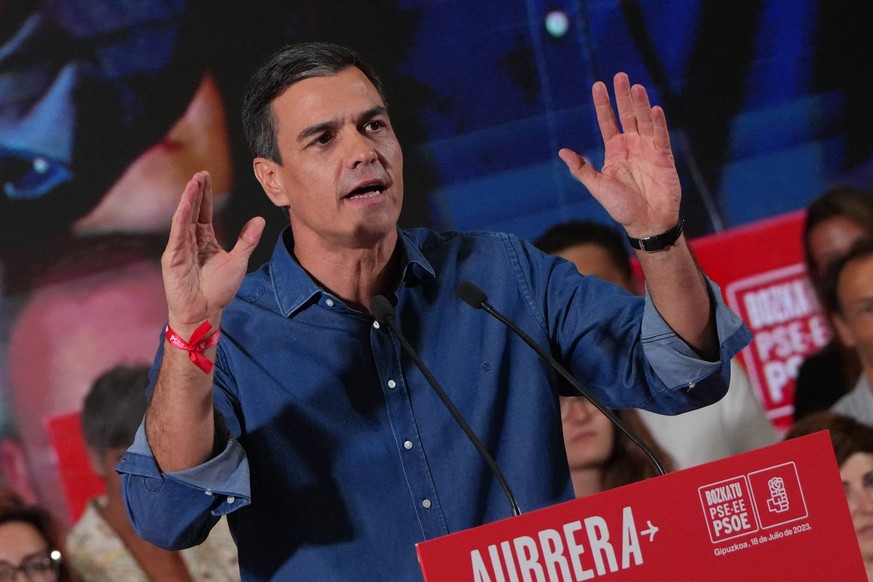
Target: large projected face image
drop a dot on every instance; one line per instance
(70, 331)
(83, 292)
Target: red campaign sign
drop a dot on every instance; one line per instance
(761, 272)
(769, 514)
(781, 309)
(78, 480)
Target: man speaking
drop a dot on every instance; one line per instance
(279, 400)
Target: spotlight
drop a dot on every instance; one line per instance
(557, 23)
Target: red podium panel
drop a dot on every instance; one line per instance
(776, 513)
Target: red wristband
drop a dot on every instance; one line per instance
(196, 345)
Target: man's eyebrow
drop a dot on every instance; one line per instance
(316, 129)
(374, 112)
(319, 128)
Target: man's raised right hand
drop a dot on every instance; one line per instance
(201, 278)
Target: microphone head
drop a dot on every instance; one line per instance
(471, 295)
(381, 308)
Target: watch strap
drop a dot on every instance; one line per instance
(657, 242)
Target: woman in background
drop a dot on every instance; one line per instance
(29, 543)
(599, 455)
(853, 448)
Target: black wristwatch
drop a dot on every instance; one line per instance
(657, 242)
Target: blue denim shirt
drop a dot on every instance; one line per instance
(336, 455)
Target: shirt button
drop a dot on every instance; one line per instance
(329, 302)
(376, 324)
(425, 503)
(40, 165)
(691, 385)
(407, 445)
(208, 492)
(392, 384)
(231, 499)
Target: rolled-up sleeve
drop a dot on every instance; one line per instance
(176, 510)
(678, 366)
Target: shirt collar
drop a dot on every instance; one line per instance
(413, 261)
(295, 289)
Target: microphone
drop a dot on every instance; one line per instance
(383, 311)
(477, 299)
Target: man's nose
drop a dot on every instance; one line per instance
(361, 150)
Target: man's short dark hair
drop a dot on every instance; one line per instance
(830, 289)
(586, 232)
(114, 408)
(285, 67)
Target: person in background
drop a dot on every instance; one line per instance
(102, 546)
(29, 543)
(735, 424)
(601, 456)
(836, 220)
(848, 290)
(853, 448)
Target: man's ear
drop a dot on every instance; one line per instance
(98, 465)
(266, 171)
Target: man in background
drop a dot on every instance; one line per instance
(102, 546)
(849, 301)
(835, 221)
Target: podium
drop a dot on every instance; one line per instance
(776, 513)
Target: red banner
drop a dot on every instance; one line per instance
(78, 480)
(761, 272)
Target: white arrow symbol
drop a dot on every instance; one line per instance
(651, 531)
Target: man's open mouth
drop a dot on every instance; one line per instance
(366, 191)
